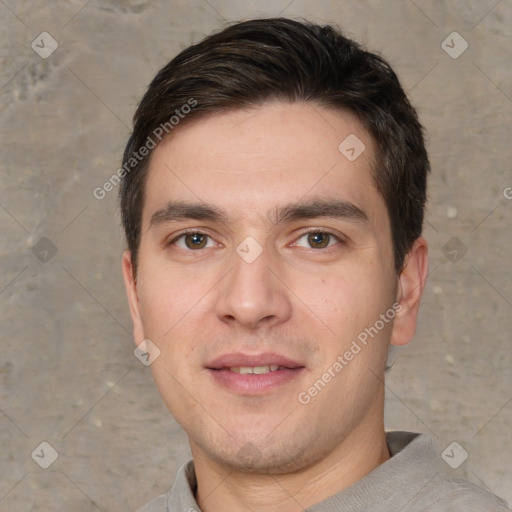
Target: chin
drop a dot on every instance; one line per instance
(267, 457)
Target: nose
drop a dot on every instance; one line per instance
(254, 295)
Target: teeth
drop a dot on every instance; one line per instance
(257, 370)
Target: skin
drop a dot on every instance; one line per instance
(306, 303)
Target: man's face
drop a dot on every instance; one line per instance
(248, 308)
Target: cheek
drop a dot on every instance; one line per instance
(350, 307)
(166, 298)
(173, 314)
(347, 299)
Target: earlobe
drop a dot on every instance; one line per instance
(132, 295)
(411, 284)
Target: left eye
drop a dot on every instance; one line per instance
(317, 240)
(193, 241)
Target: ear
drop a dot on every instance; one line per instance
(411, 283)
(133, 299)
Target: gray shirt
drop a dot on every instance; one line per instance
(414, 479)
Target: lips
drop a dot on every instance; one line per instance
(256, 370)
(253, 374)
(269, 361)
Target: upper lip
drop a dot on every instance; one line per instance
(251, 360)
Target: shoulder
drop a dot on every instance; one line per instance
(458, 495)
(156, 505)
(431, 487)
(181, 495)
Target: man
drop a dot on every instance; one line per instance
(272, 197)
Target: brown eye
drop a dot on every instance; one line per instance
(319, 240)
(195, 240)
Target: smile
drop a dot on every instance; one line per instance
(256, 370)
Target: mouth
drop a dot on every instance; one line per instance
(255, 370)
(253, 374)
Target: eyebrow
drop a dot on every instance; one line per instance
(333, 208)
(179, 210)
(310, 209)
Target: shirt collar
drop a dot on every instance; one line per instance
(411, 468)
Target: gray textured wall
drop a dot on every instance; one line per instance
(68, 375)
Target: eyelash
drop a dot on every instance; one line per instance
(305, 233)
(330, 247)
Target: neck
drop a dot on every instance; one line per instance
(222, 488)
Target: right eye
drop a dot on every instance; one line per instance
(193, 241)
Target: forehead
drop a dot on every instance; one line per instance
(254, 159)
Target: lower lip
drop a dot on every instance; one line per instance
(253, 384)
